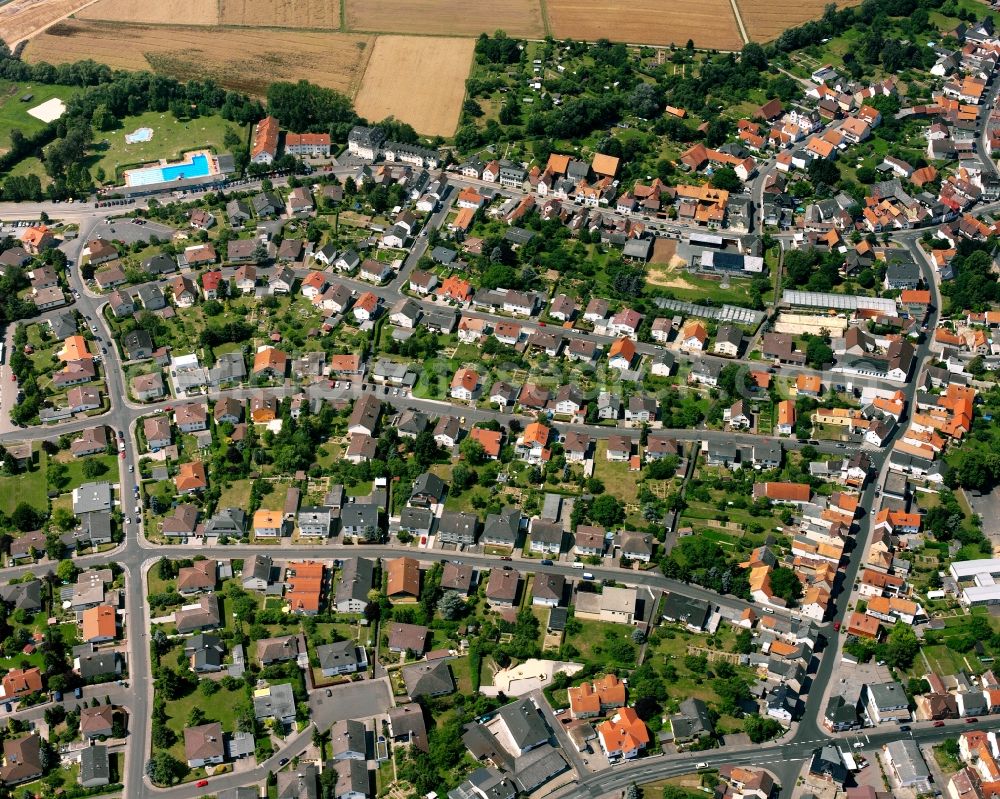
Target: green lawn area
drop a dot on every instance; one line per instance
(31, 166)
(617, 478)
(236, 495)
(220, 707)
(30, 487)
(593, 639)
(74, 471)
(14, 113)
(170, 139)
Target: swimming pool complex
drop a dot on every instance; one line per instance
(195, 165)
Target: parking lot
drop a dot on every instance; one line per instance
(129, 231)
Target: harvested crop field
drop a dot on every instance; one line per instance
(766, 19)
(419, 80)
(445, 17)
(709, 23)
(20, 19)
(314, 14)
(245, 60)
(163, 12)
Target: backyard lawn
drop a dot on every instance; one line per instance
(30, 487)
(219, 707)
(236, 495)
(170, 139)
(616, 476)
(594, 641)
(74, 470)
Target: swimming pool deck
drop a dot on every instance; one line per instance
(164, 171)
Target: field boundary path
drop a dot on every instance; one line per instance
(543, 10)
(739, 21)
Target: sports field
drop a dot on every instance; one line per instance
(516, 17)
(419, 80)
(243, 59)
(709, 23)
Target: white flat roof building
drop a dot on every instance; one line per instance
(983, 573)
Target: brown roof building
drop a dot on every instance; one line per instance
(403, 577)
(403, 637)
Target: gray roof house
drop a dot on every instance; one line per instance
(95, 767)
(356, 580)
(502, 529)
(431, 678)
(341, 657)
(524, 725)
(457, 528)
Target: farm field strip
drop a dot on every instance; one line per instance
(163, 12)
(766, 19)
(446, 18)
(709, 23)
(21, 19)
(243, 59)
(313, 14)
(396, 82)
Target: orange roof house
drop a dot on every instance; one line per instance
(305, 586)
(265, 140)
(99, 624)
(605, 165)
(623, 348)
(786, 415)
(808, 384)
(489, 440)
(403, 578)
(583, 701)
(864, 626)
(191, 477)
(466, 379)
(36, 238)
(454, 288)
(270, 360)
(536, 433)
(463, 220)
(624, 735)
(557, 163)
(591, 699)
(74, 348)
(314, 282)
(611, 691)
(21, 682)
(782, 492)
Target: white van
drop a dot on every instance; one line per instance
(577, 565)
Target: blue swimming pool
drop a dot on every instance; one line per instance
(196, 166)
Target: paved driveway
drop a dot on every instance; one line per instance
(356, 700)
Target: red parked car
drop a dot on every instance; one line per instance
(836, 626)
(201, 783)
(938, 723)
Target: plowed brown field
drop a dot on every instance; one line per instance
(246, 60)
